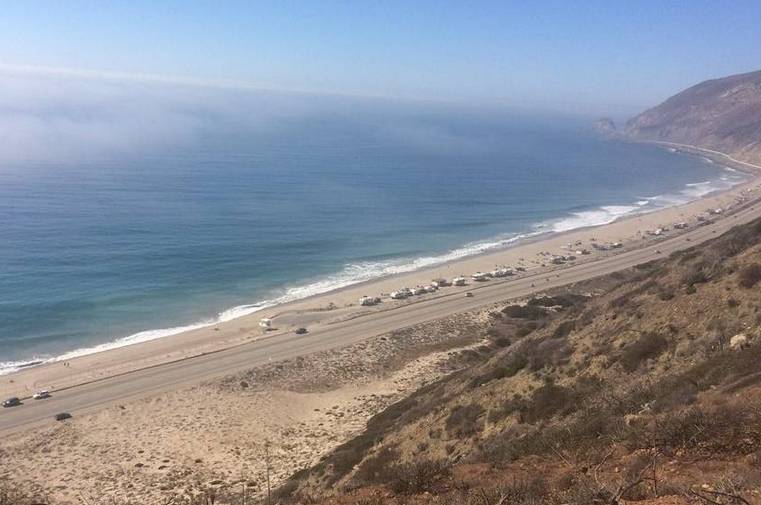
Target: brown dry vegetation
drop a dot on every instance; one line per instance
(623, 388)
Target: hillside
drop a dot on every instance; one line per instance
(721, 114)
(644, 385)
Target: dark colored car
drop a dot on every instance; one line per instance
(11, 402)
(62, 416)
(469, 294)
(301, 331)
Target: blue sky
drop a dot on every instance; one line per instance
(592, 55)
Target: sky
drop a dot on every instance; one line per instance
(591, 56)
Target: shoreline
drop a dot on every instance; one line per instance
(203, 338)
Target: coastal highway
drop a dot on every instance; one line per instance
(116, 389)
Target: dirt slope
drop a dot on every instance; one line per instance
(643, 385)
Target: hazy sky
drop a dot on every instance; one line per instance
(589, 56)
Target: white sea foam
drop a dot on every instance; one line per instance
(356, 273)
(609, 213)
(603, 215)
(352, 274)
(360, 272)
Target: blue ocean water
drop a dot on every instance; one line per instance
(98, 248)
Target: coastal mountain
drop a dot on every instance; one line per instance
(721, 114)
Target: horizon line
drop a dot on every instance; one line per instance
(241, 85)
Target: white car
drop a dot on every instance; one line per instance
(41, 395)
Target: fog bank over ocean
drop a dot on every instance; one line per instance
(130, 209)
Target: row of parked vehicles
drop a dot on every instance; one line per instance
(14, 401)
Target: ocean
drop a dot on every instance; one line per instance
(110, 247)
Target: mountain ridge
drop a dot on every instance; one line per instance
(721, 114)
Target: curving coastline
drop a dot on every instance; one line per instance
(299, 305)
(364, 274)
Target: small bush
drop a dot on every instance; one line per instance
(666, 293)
(375, 469)
(415, 478)
(647, 346)
(348, 455)
(525, 312)
(496, 373)
(750, 276)
(286, 490)
(622, 301)
(525, 492)
(502, 342)
(564, 329)
(695, 427)
(725, 366)
(548, 352)
(567, 300)
(702, 272)
(515, 363)
(463, 420)
(547, 401)
(673, 394)
(526, 329)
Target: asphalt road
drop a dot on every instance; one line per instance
(121, 388)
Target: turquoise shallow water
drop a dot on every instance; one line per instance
(135, 246)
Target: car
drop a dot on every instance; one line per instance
(41, 395)
(11, 402)
(62, 416)
(301, 331)
(469, 294)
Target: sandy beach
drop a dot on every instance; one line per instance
(213, 436)
(322, 310)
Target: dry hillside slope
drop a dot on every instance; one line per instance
(720, 114)
(644, 385)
